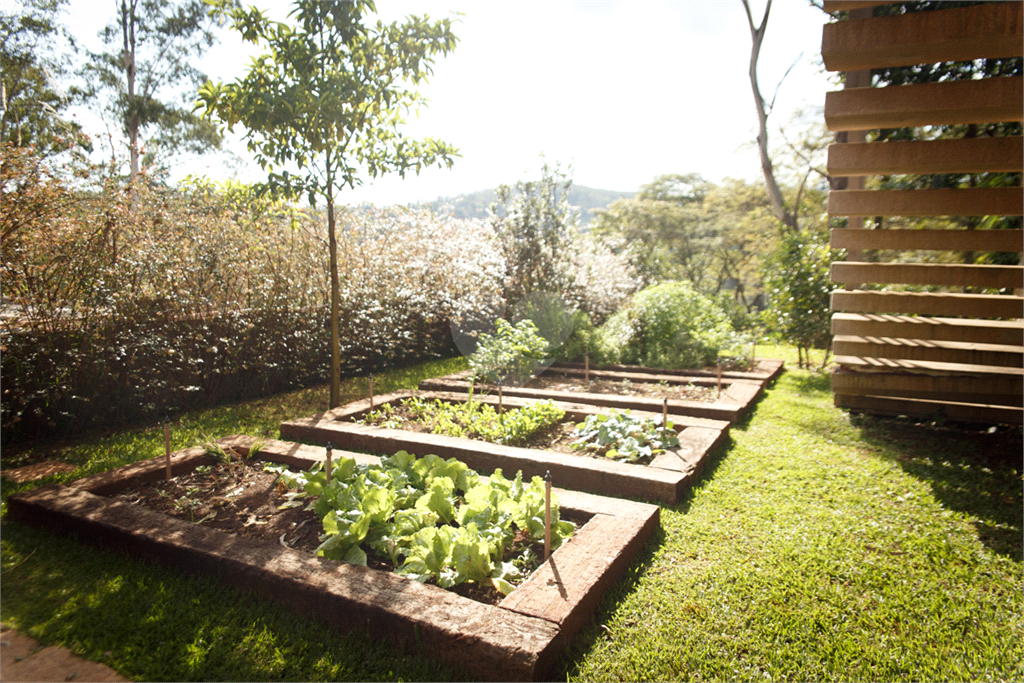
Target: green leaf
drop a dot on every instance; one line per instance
(438, 499)
(355, 555)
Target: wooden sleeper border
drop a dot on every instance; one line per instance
(665, 479)
(519, 639)
(740, 389)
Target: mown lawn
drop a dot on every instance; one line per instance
(814, 548)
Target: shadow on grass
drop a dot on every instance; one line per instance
(969, 470)
(153, 623)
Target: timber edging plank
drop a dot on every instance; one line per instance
(488, 642)
(952, 35)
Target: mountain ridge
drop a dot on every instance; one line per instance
(475, 204)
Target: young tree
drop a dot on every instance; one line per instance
(152, 42)
(329, 96)
(31, 99)
(534, 224)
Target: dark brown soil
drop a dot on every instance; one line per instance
(676, 392)
(240, 498)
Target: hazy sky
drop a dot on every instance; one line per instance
(621, 91)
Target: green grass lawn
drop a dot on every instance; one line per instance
(813, 548)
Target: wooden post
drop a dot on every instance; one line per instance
(371, 392)
(664, 415)
(719, 376)
(586, 368)
(500, 400)
(547, 515)
(167, 444)
(328, 468)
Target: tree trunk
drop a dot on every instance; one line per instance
(774, 193)
(335, 301)
(131, 121)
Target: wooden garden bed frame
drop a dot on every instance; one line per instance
(665, 479)
(519, 639)
(740, 390)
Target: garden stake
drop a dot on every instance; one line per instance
(328, 463)
(547, 515)
(371, 392)
(167, 444)
(664, 415)
(719, 376)
(500, 393)
(586, 368)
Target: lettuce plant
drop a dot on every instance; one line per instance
(434, 518)
(623, 436)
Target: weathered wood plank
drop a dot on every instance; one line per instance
(566, 589)
(929, 328)
(695, 443)
(763, 369)
(952, 35)
(951, 410)
(868, 366)
(921, 349)
(978, 201)
(943, 274)
(895, 382)
(929, 303)
(925, 104)
(937, 240)
(922, 157)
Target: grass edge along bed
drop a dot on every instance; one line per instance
(520, 639)
(665, 479)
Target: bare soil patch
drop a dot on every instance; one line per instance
(624, 387)
(241, 498)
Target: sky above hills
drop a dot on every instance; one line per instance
(619, 91)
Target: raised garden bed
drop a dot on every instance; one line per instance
(665, 479)
(638, 388)
(520, 638)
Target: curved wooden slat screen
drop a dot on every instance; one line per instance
(956, 354)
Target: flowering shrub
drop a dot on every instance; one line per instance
(121, 305)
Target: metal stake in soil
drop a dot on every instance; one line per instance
(586, 368)
(500, 407)
(371, 392)
(328, 465)
(547, 515)
(167, 444)
(719, 376)
(664, 415)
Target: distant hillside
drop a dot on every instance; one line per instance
(474, 204)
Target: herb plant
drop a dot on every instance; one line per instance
(623, 436)
(510, 354)
(434, 518)
(472, 420)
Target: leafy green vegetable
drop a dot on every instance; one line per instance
(472, 419)
(623, 436)
(410, 509)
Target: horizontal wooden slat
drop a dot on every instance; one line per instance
(940, 274)
(951, 410)
(978, 201)
(925, 104)
(929, 303)
(953, 35)
(938, 240)
(890, 377)
(845, 5)
(1009, 332)
(926, 349)
(921, 157)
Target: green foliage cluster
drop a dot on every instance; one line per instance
(434, 518)
(511, 354)
(128, 306)
(624, 436)
(798, 283)
(667, 325)
(473, 419)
